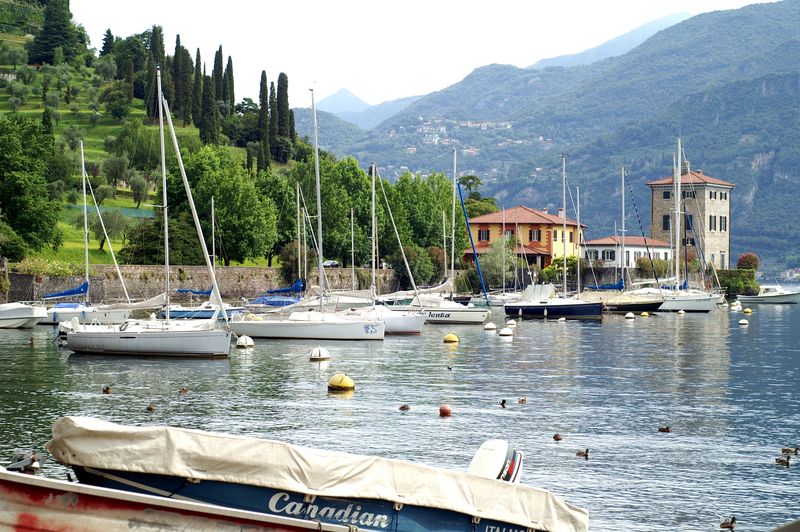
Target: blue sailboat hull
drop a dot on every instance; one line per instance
(366, 514)
(570, 311)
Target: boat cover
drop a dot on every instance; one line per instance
(77, 291)
(538, 292)
(153, 302)
(203, 455)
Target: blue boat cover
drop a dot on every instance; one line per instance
(194, 292)
(77, 291)
(298, 286)
(619, 285)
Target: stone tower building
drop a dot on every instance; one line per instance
(706, 209)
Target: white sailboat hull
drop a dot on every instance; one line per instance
(396, 321)
(311, 326)
(689, 302)
(453, 315)
(20, 315)
(149, 338)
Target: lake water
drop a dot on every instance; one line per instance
(729, 393)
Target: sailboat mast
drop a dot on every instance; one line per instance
(444, 242)
(85, 226)
(623, 260)
(352, 249)
(319, 198)
(578, 237)
(677, 185)
(213, 237)
(453, 222)
(503, 240)
(373, 246)
(297, 206)
(564, 217)
(163, 191)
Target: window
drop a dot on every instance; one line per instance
(712, 223)
(711, 194)
(555, 235)
(591, 254)
(627, 257)
(509, 233)
(687, 193)
(609, 254)
(712, 259)
(571, 237)
(687, 241)
(665, 222)
(483, 235)
(722, 262)
(723, 223)
(667, 194)
(723, 196)
(688, 219)
(534, 235)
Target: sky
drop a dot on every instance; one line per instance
(379, 50)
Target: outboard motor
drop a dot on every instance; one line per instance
(24, 462)
(496, 459)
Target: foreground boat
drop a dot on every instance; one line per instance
(772, 294)
(20, 315)
(286, 481)
(42, 504)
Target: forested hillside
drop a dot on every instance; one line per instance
(714, 79)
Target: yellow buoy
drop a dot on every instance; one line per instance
(451, 338)
(747, 311)
(341, 382)
(645, 314)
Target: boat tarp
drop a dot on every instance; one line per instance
(444, 286)
(538, 292)
(153, 302)
(195, 454)
(77, 291)
(298, 287)
(194, 292)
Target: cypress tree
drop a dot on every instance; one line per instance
(47, 122)
(57, 31)
(263, 123)
(227, 85)
(216, 74)
(186, 84)
(292, 130)
(108, 43)
(273, 121)
(167, 83)
(177, 76)
(151, 106)
(157, 46)
(283, 105)
(209, 128)
(129, 76)
(197, 91)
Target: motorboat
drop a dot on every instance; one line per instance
(309, 487)
(772, 293)
(20, 315)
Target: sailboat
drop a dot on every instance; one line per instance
(614, 297)
(313, 324)
(540, 301)
(681, 297)
(83, 311)
(153, 337)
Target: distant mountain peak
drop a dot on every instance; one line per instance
(341, 102)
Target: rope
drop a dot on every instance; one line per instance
(641, 230)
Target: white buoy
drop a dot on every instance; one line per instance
(681, 311)
(490, 327)
(629, 316)
(319, 354)
(743, 322)
(511, 323)
(506, 331)
(561, 319)
(245, 342)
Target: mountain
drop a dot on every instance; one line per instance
(615, 47)
(342, 101)
(722, 80)
(375, 114)
(332, 130)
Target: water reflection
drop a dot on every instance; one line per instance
(729, 394)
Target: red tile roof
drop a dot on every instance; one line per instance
(521, 215)
(528, 249)
(629, 241)
(692, 178)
